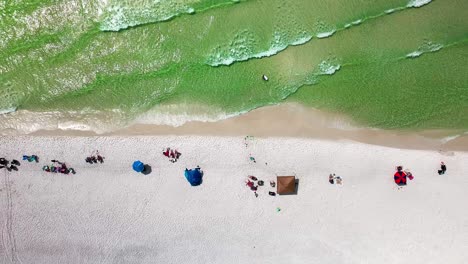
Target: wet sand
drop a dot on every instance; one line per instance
(293, 120)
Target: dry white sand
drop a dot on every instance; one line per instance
(106, 213)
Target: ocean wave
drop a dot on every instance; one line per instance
(25, 122)
(427, 47)
(326, 34)
(116, 16)
(328, 67)
(176, 115)
(7, 110)
(449, 138)
(238, 51)
(242, 49)
(418, 3)
(121, 17)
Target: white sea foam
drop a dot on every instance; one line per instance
(122, 17)
(414, 54)
(418, 3)
(347, 25)
(425, 48)
(7, 110)
(357, 22)
(328, 67)
(25, 122)
(389, 11)
(326, 34)
(449, 138)
(275, 48)
(301, 41)
(178, 115)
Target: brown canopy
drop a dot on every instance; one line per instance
(286, 184)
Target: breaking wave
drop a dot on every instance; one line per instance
(418, 3)
(7, 110)
(122, 17)
(328, 67)
(326, 34)
(241, 48)
(427, 47)
(117, 16)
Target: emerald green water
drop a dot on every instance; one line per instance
(387, 64)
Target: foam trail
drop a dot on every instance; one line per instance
(449, 138)
(425, 48)
(328, 67)
(414, 54)
(326, 34)
(418, 3)
(121, 18)
(7, 110)
(274, 49)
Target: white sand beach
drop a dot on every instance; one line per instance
(107, 213)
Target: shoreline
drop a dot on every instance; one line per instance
(290, 120)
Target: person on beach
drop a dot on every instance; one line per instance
(249, 183)
(338, 180)
(172, 154)
(272, 184)
(331, 178)
(443, 168)
(400, 176)
(253, 178)
(3, 161)
(409, 175)
(100, 158)
(166, 152)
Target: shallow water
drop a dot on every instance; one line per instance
(389, 64)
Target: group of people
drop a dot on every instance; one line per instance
(58, 167)
(9, 166)
(400, 176)
(250, 182)
(95, 157)
(332, 179)
(172, 154)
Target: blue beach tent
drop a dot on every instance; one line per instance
(194, 176)
(138, 166)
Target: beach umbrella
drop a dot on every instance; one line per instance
(194, 177)
(138, 166)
